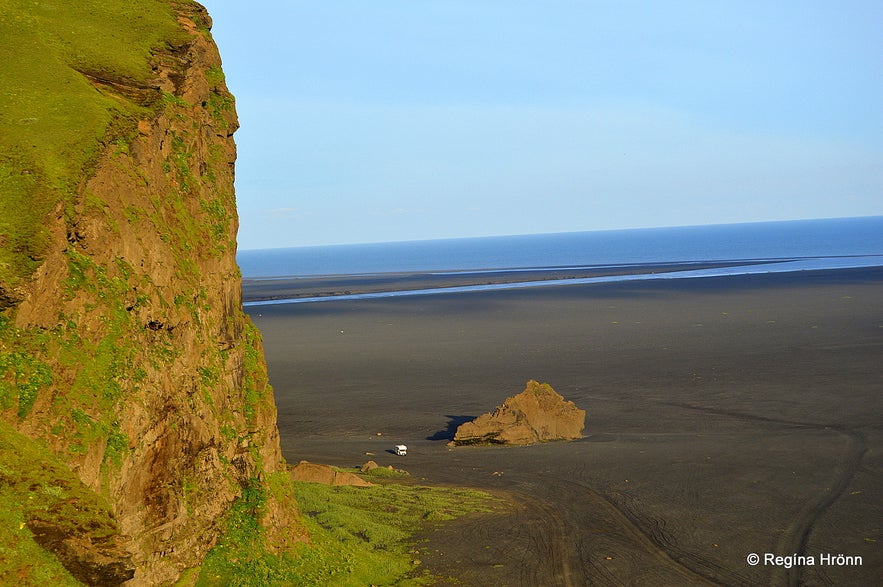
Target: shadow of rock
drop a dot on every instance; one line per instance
(453, 423)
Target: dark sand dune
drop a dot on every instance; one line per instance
(726, 416)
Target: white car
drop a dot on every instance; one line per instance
(401, 450)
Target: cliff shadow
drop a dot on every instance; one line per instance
(451, 429)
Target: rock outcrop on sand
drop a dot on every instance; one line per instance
(316, 473)
(537, 414)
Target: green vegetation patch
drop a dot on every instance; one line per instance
(358, 536)
(63, 70)
(92, 371)
(36, 488)
(22, 374)
(255, 382)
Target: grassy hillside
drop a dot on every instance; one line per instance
(358, 536)
(40, 496)
(53, 119)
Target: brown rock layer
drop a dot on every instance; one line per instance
(103, 563)
(537, 414)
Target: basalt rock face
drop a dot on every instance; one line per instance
(537, 414)
(127, 352)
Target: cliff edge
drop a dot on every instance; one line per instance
(125, 357)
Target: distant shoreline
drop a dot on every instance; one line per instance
(283, 290)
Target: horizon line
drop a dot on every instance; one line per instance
(563, 232)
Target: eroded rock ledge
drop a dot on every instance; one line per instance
(325, 474)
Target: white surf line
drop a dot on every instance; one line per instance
(815, 264)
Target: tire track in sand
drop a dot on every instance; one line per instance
(796, 536)
(651, 544)
(555, 545)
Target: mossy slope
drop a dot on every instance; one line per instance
(359, 536)
(53, 121)
(124, 351)
(42, 501)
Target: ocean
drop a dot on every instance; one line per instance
(796, 245)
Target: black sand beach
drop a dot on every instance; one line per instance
(726, 416)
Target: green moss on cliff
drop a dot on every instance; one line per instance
(43, 503)
(63, 67)
(22, 373)
(255, 382)
(92, 371)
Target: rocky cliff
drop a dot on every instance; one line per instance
(125, 356)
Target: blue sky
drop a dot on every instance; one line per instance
(419, 119)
